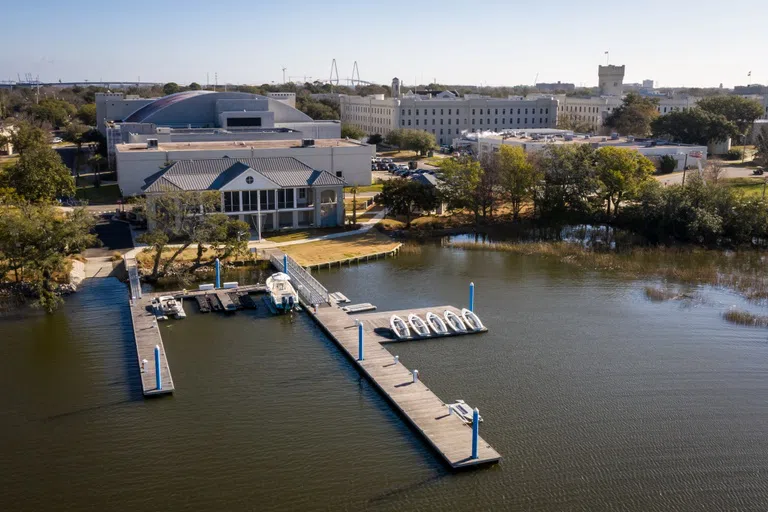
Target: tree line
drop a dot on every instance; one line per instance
(37, 238)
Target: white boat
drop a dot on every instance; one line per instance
(281, 292)
(471, 320)
(418, 325)
(165, 306)
(463, 411)
(399, 327)
(455, 322)
(436, 323)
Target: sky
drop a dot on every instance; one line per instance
(676, 43)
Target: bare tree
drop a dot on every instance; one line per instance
(714, 172)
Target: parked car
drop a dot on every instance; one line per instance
(382, 166)
(413, 164)
(387, 160)
(391, 167)
(758, 172)
(57, 140)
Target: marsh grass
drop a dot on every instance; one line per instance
(736, 316)
(742, 271)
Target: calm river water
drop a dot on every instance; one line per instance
(596, 398)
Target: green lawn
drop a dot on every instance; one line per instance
(105, 194)
(748, 186)
(377, 187)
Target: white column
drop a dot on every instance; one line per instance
(240, 208)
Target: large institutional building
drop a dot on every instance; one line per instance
(146, 135)
(446, 114)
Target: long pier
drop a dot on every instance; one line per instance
(446, 433)
(146, 334)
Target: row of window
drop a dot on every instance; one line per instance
(542, 120)
(369, 110)
(576, 108)
(284, 198)
(488, 111)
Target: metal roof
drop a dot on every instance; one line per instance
(213, 174)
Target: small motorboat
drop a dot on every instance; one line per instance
(471, 320)
(418, 325)
(436, 323)
(165, 306)
(399, 327)
(463, 411)
(281, 292)
(455, 322)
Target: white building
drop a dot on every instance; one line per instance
(348, 160)
(446, 114)
(267, 193)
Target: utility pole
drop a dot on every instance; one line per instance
(284, 68)
(215, 80)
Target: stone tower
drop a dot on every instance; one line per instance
(611, 80)
(395, 87)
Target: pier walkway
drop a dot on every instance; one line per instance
(147, 335)
(445, 432)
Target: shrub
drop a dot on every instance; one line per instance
(667, 164)
(732, 154)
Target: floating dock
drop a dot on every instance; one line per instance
(445, 432)
(146, 333)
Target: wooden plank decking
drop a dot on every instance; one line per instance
(429, 415)
(146, 333)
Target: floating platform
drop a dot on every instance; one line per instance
(446, 433)
(339, 297)
(358, 308)
(146, 333)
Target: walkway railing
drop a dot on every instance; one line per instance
(133, 278)
(309, 289)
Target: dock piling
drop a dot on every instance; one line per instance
(158, 375)
(472, 297)
(397, 359)
(359, 340)
(475, 431)
(218, 274)
(285, 263)
(415, 376)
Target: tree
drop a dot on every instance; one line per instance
(395, 138)
(568, 121)
(621, 172)
(404, 197)
(352, 131)
(375, 139)
(194, 86)
(419, 141)
(40, 175)
(667, 164)
(569, 185)
(75, 133)
(35, 240)
(53, 111)
(740, 111)
(694, 126)
(517, 175)
(634, 115)
(187, 218)
(171, 88)
(761, 145)
(461, 179)
(87, 114)
(354, 205)
(24, 136)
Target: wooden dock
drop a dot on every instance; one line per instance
(146, 333)
(429, 415)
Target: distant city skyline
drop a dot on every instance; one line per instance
(493, 43)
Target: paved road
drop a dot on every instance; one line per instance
(676, 178)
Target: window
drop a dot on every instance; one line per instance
(518, 112)
(250, 200)
(338, 174)
(249, 180)
(526, 120)
(481, 121)
(417, 122)
(402, 122)
(441, 121)
(526, 111)
(441, 131)
(473, 122)
(518, 120)
(433, 121)
(409, 111)
(409, 122)
(433, 111)
(402, 112)
(457, 121)
(503, 111)
(473, 111)
(449, 121)
(441, 111)
(496, 121)
(285, 198)
(488, 120)
(302, 193)
(541, 111)
(449, 111)
(417, 111)
(547, 111)
(267, 199)
(449, 131)
(232, 201)
(503, 121)
(496, 112)
(481, 111)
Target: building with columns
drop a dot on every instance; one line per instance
(267, 193)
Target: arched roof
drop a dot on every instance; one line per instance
(166, 101)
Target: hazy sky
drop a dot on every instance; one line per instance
(690, 43)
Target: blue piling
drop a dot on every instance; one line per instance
(285, 263)
(475, 431)
(158, 376)
(360, 341)
(472, 297)
(218, 274)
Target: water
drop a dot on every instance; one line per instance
(595, 397)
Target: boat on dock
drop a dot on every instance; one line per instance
(399, 327)
(281, 293)
(463, 411)
(166, 306)
(471, 320)
(437, 324)
(455, 322)
(418, 325)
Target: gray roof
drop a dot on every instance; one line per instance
(213, 174)
(426, 179)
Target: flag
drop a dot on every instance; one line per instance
(749, 74)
